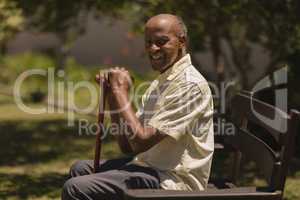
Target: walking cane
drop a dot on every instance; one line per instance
(102, 100)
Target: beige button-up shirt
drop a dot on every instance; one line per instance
(179, 103)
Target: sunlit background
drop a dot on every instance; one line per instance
(240, 42)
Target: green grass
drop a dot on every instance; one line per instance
(36, 152)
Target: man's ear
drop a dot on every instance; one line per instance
(182, 40)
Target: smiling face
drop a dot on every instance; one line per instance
(162, 42)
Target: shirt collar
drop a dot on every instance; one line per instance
(173, 71)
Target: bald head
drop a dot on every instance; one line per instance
(175, 23)
(165, 40)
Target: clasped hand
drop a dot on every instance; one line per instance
(117, 79)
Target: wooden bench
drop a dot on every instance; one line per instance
(270, 147)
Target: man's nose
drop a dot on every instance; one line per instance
(153, 48)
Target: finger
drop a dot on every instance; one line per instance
(112, 70)
(105, 74)
(99, 77)
(109, 76)
(130, 80)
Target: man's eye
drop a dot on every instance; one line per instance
(148, 42)
(161, 42)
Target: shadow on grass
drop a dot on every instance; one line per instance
(25, 186)
(25, 142)
(41, 144)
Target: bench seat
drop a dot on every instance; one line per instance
(209, 194)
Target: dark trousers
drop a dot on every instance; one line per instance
(115, 176)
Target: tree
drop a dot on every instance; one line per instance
(11, 21)
(67, 19)
(216, 25)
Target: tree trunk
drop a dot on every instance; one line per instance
(3, 48)
(217, 58)
(240, 59)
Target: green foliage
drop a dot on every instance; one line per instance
(35, 87)
(228, 26)
(274, 25)
(13, 66)
(76, 72)
(271, 23)
(11, 20)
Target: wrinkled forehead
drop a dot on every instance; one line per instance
(159, 27)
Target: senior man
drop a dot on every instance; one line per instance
(171, 134)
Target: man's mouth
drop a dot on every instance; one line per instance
(156, 56)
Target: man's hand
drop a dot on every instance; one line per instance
(142, 138)
(119, 80)
(102, 77)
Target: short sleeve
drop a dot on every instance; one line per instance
(178, 110)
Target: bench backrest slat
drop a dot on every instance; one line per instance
(252, 109)
(256, 150)
(254, 118)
